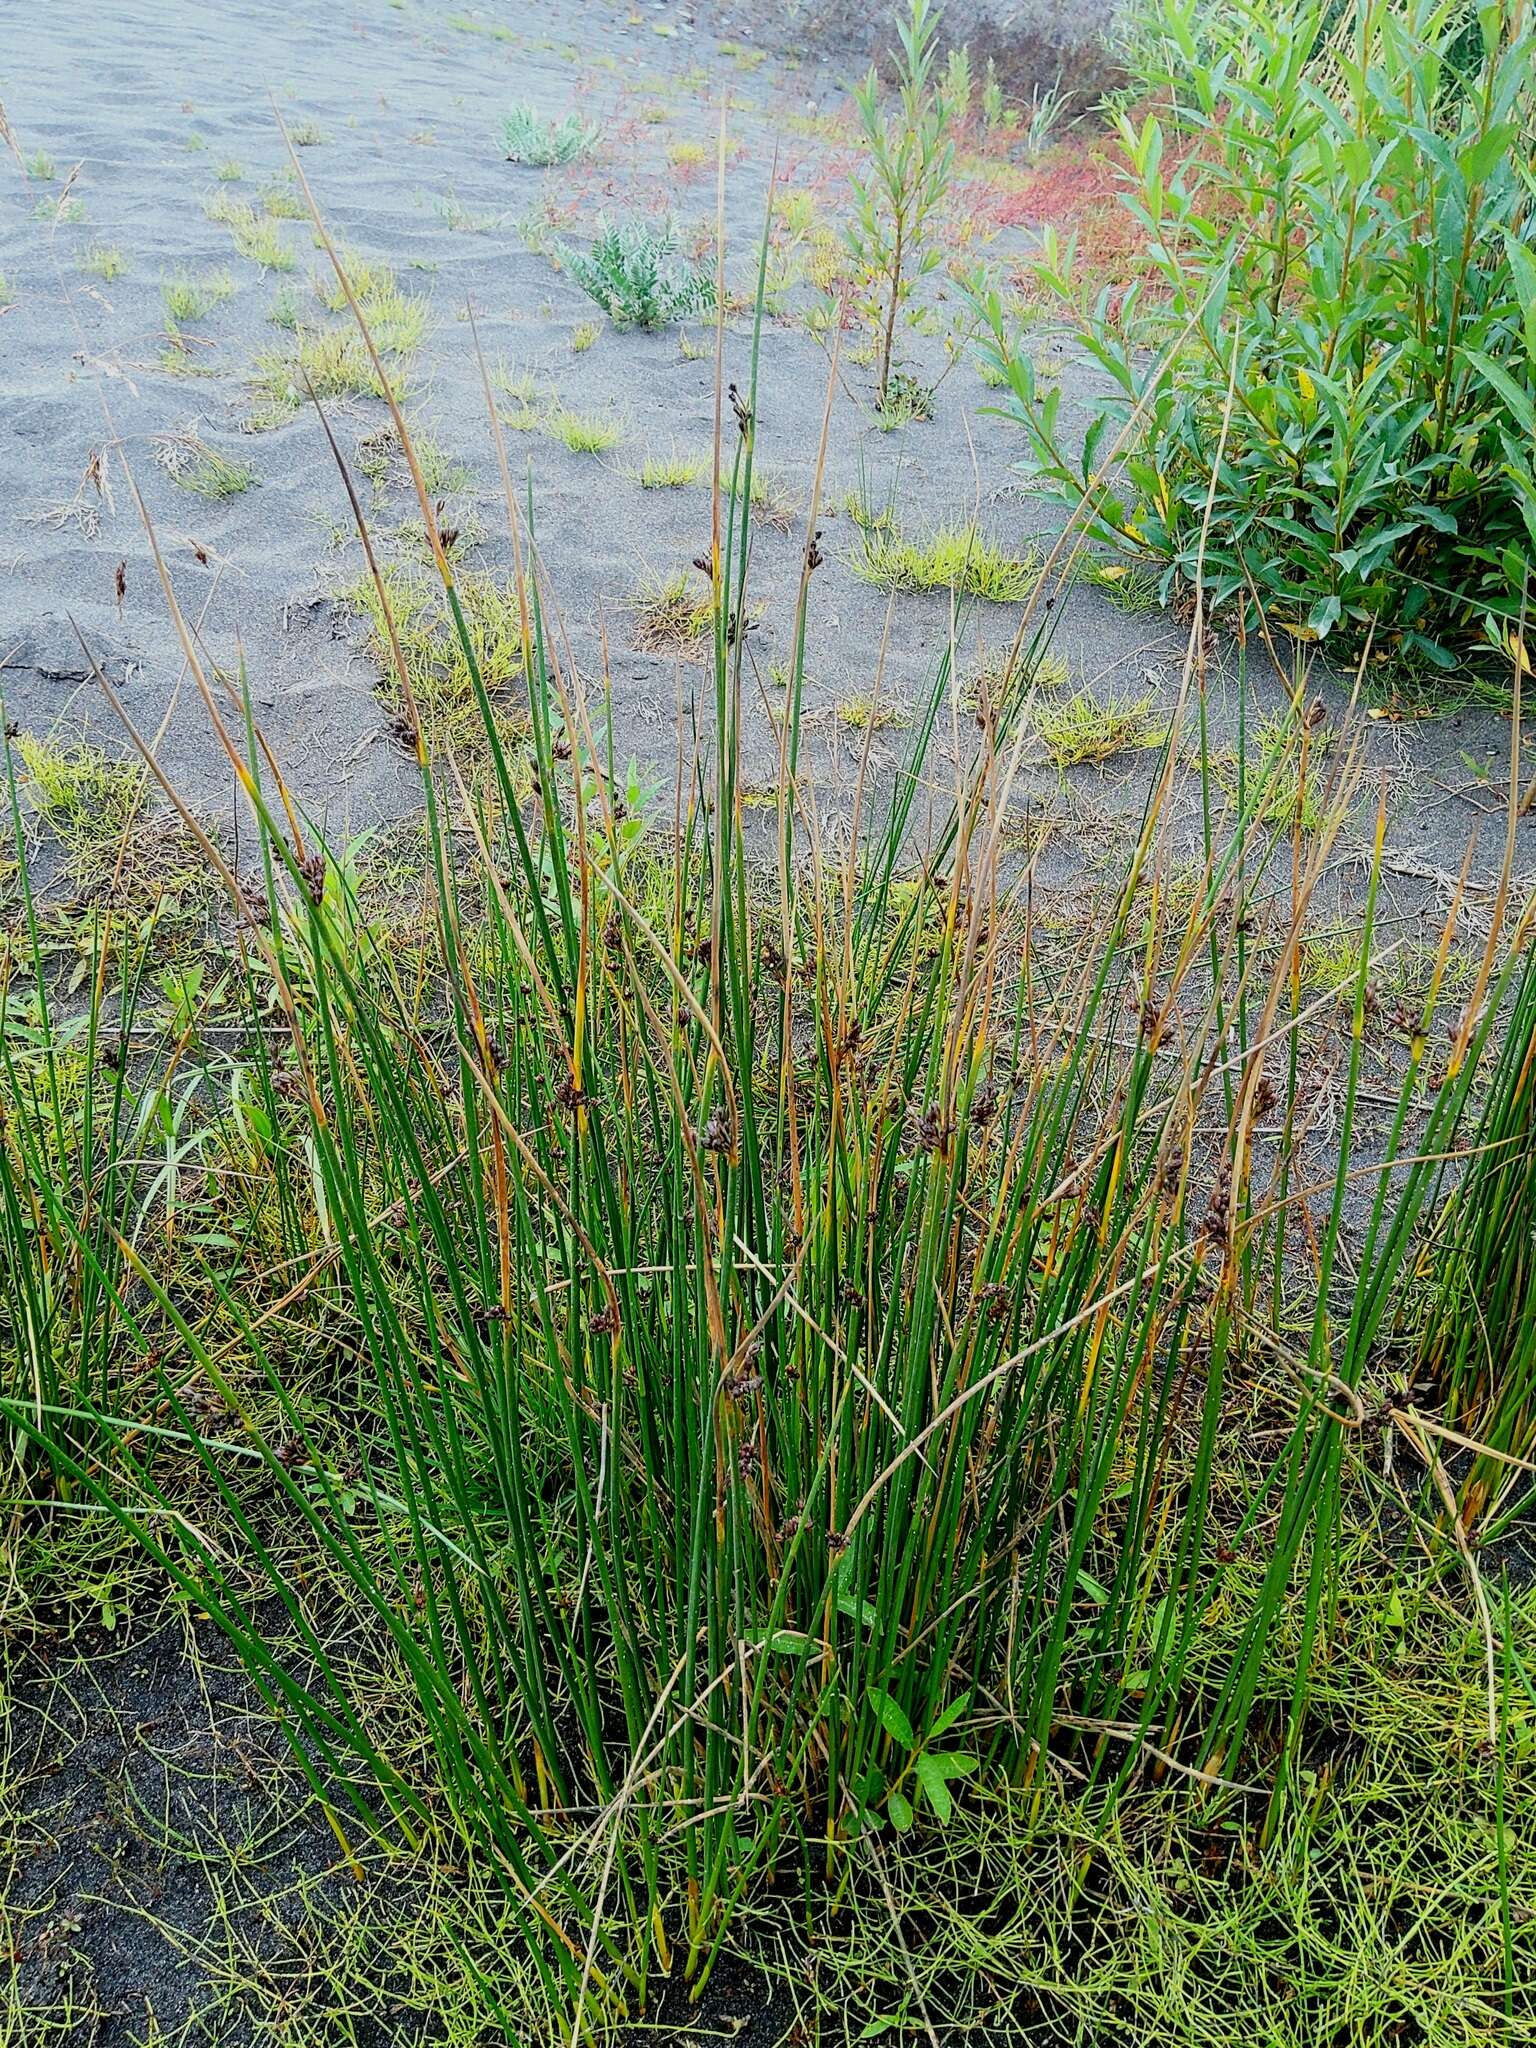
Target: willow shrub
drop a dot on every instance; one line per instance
(709, 1353)
(1338, 229)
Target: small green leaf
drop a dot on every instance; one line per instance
(899, 1807)
(892, 1719)
(930, 1775)
(1480, 159)
(788, 1642)
(849, 1603)
(949, 1717)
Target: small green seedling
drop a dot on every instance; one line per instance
(925, 1773)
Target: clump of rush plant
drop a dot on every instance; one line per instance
(811, 1370)
(959, 558)
(637, 272)
(671, 616)
(528, 139)
(1475, 1326)
(911, 157)
(1328, 380)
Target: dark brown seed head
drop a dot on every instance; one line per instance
(930, 1133)
(994, 1300)
(312, 873)
(984, 1103)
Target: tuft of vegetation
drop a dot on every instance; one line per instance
(335, 361)
(958, 558)
(197, 467)
(372, 280)
(671, 617)
(861, 712)
(193, 298)
(256, 237)
(520, 388)
(1129, 586)
(104, 260)
(638, 274)
(330, 361)
(88, 801)
(446, 669)
(584, 433)
(528, 139)
(65, 211)
(671, 471)
(1083, 729)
